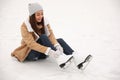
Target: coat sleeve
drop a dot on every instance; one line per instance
(51, 36)
(30, 41)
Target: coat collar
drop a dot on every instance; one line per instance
(27, 23)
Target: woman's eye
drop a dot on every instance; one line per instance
(38, 14)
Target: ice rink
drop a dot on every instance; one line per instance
(88, 26)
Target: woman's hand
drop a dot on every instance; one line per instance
(58, 47)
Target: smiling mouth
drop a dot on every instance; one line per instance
(39, 19)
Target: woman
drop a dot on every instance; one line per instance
(38, 41)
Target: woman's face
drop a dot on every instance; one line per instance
(39, 16)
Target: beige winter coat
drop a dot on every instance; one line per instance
(29, 42)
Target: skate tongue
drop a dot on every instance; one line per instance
(67, 63)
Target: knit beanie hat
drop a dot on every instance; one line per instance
(34, 7)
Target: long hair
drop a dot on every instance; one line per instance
(34, 23)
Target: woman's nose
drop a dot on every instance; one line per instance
(41, 16)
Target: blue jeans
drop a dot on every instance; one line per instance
(44, 40)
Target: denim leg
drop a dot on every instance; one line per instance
(67, 49)
(43, 40)
(35, 55)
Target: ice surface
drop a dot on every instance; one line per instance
(89, 26)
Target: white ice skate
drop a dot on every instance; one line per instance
(80, 61)
(61, 59)
(84, 64)
(64, 60)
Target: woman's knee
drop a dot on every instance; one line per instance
(60, 40)
(43, 36)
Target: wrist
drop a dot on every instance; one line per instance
(47, 51)
(56, 45)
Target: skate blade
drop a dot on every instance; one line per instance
(67, 63)
(87, 61)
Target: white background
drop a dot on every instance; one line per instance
(88, 26)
